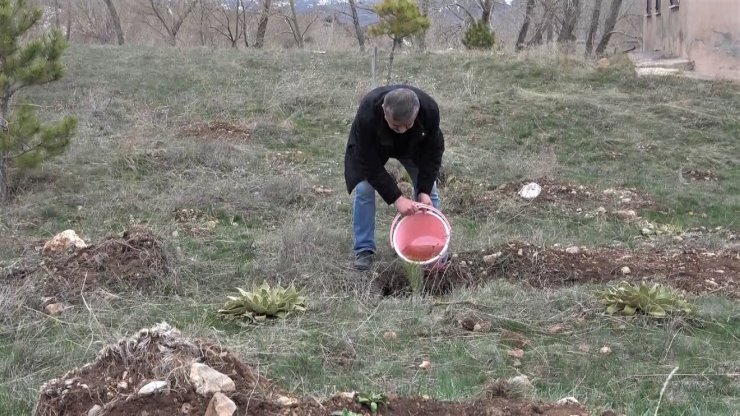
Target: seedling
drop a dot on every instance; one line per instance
(415, 274)
(264, 302)
(372, 400)
(656, 301)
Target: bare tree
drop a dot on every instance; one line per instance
(421, 37)
(525, 26)
(115, 20)
(294, 25)
(262, 25)
(226, 19)
(593, 27)
(356, 22)
(571, 14)
(92, 21)
(611, 21)
(244, 23)
(171, 14)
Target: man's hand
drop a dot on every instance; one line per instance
(405, 206)
(425, 199)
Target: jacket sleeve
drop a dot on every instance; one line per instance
(430, 159)
(370, 164)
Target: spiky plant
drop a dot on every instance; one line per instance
(657, 300)
(264, 302)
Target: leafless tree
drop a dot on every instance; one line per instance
(262, 26)
(291, 18)
(356, 22)
(171, 14)
(593, 27)
(611, 21)
(115, 20)
(525, 26)
(571, 14)
(226, 19)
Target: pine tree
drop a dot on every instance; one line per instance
(478, 36)
(398, 20)
(25, 141)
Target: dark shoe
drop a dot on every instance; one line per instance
(363, 260)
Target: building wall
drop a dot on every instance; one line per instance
(706, 32)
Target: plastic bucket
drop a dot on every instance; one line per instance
(422, 238)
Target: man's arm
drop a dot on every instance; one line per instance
(431, 154)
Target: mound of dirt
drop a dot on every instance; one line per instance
(216, 130)
(112, 385)
(134, 259)
(462, 196)
(689, 269)
(114, 379)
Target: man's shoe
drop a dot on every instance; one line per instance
(363, 260)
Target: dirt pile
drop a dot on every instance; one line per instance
(216, 130)
(152, 374)
(693, 270)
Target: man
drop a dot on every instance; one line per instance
(400, 122)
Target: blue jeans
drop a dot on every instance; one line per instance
(363, 209)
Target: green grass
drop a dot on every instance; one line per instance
(505, 119)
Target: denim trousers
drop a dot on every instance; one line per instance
(363, 209)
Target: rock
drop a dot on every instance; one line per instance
(211, 225)
(520, 384)
(572, 250)
(602, 63)
(186, 408)
(647, 231)
(95, 410)
(583, 347)
(605, 350)
(678, 239)
(63, 241)
(425, 365)
(491, 258)
(390, 336)
(54, 309)
(154, 387)
(516, 353)
(530, 191)
(601, 210)
(554, 329)
(220, 405)
(286, 401)
(626, 214)
(207, 380)
(350, 395)
(323, 190)
(483, 326)
(567, 400)
(175, 234)
(626, 270)
(122, 385)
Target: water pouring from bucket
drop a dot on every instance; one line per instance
(422, 238)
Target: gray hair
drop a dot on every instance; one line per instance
(401, 103)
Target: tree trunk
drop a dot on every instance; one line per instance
(262, 26)
(390, 62)
(570, 21)
(69, 23)
(244, 24)
(593, 28)
(525, 26)
(421, 37)
(4, 110)
(356, 23)
(116, 20)
(173, 38)
(611, 21)
(297, 34)
(487, 6)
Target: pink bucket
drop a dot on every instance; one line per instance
(422, 238)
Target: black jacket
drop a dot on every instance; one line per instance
(371, 143)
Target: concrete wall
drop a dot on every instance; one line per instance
(704, 31)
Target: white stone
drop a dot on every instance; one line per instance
(54, 309)
(530, 191)
(286, 401)
(207, 380)
(154, 387)
(567, 400)
(62, 241)
(626, 270)
(220, 405)
(572, 250)
(491, 258)
(601, 210)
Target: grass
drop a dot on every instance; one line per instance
(505, 119)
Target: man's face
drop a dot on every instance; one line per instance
(399, 127)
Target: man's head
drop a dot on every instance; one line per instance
(400, 107)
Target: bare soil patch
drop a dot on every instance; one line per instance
(462, 196)
(113, 379)
(216, 130)
(693, 270)
(700, 175)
